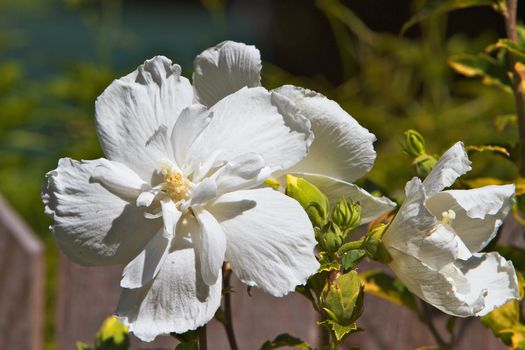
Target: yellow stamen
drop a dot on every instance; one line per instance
(448, 216)
(176, 186)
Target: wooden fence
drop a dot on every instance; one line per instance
(86, 295)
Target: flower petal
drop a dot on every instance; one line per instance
(131, 110)
(243, 172)
(342, 148)
(249, 122)
(119, 179)
(225, 69)
(452, 164)
(92, 225)
(210, 243)
(177, 300)
(335, 189)
(479, 212)
(412, 221)
(141, 270)
(270, 240)
(461, 288)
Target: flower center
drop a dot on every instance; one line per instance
(448, 216)
(175, 185)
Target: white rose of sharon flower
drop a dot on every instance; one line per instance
(179, 194)
(342, 150)
(435, 239)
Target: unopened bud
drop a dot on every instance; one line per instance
(330, 237)
(423, 165)
(347, 215)
(314, 202)
(414, 143)
(374, 246)
(342, 299)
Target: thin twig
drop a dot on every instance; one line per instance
(228, 322)
(510, 25)
(203, 342)
(426, 317)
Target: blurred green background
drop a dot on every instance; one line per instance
(56, 57)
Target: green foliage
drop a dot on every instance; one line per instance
(112, 335)
(352, 258)
(339, 331)
(191, 345)
(493, 71)
(384, 286)
(286, 340)
(314, 202)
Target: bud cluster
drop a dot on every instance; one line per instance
(414, 146)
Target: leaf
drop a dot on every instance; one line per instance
(191, 345)
(83, 346)
(514, 254)
(386, 287)
(112, 335)
(286, 339)
(439, 7)
(512, 47)
(489, 148)
(493, 71)
(482, 181)
(502, 319)
(340, 331)
(352, 258)
(502, 121)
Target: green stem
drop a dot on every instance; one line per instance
(228, 319)
(203, 342)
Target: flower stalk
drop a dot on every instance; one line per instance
(228, 319)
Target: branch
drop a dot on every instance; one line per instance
(228, 320)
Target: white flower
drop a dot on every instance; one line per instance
(179, 194)
(435, 239)
(342, 150)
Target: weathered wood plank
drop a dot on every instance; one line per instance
(22, 286)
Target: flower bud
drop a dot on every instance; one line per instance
(414, 143)
(342, 298)
(314, 202)
(374, 246)
(330, 237)
(423, 165)
(347, 215)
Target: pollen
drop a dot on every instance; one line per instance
(175, 185)
(448, 216)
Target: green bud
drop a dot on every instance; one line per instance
(330, 237)
(423, 165)
(374, 246)
(347, 215)
(112, 335)
(342, 298)
(314, 202)
(414, 143)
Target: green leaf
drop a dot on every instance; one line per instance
(386, 287)
(352, 258)
(112, 335)
(83, 346)
(286, 339)
(512, 47)
(439, 7)
(191, 345)
(494, 72)
(502, 121)
(514, 254)
(502, 320)
(339, 331)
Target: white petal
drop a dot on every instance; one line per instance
(210, 243)
(224, 69)
(335, 189)
(248, 122)
(413, 221)
(243, 172)
(177, 300)
(170, 216)
(191, 122)
(141, 270)
(452, 164)
(270, 240)
(92, 225)
(342, 148)
(479, 212)
(131, 110)
(119, 179)
(461, 288)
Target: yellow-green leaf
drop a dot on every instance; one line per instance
(339, 331)
(286, 340)
(381, 285)
(112, 335)
(493, 72)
